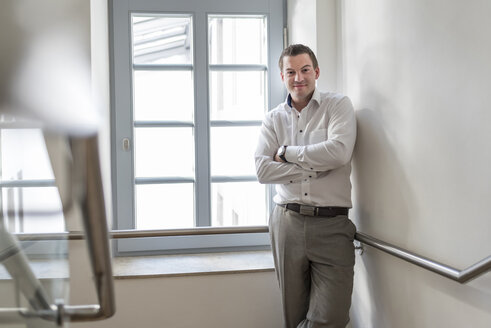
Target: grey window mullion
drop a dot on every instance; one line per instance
(202, 130)
(160, 180)
(236, 178)
(163, 124)
(237, 68)
(223, 123)
(27, 183)
(277, 92)
(147, 67)
(122, 117)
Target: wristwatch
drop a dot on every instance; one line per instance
(281, 153)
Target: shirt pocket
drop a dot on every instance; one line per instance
(317, 136)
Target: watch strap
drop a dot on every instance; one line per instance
(282, 155)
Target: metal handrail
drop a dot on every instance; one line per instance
(461, 276)
(125, 234)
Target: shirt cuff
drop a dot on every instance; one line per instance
(291, 154)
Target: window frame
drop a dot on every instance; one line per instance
(122, 113)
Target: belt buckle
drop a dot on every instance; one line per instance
(308, 210)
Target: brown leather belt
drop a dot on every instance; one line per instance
(316, 211)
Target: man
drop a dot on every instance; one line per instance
(305, 148)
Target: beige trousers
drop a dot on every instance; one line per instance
(314, 259)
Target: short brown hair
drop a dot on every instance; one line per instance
(295, 50)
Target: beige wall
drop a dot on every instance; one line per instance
(419, 74)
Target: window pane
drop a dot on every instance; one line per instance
(237, 39)
(162, 39)
(23, 155)
(164, 206)
(164, 152)
(33, 210)
(163, 95)
(237, 95)
(238, 203)
(232, 150)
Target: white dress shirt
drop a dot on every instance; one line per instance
(320, 142)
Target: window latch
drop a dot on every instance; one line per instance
(126, 144)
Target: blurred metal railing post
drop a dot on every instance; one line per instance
(84, 192)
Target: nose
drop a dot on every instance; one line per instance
(298, 76)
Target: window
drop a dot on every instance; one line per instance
(163, 124)
(191, 84)
(29, 199)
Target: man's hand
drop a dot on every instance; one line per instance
(277, 158)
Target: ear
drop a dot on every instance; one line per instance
(317, 72)
(282, 77)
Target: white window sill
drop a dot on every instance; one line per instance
(192, 264)
(165, 265)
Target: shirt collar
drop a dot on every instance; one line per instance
(316, 96)
(289, 100)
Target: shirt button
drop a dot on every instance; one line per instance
(311, 168)
(291, 181)
(301, 131)
(305, 194)
(310, 176)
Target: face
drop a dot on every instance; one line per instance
(299, 77)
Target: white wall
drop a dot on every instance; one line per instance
(314, 23)
(419, 74)
(301, 22)
(99, 45)
(209, 301)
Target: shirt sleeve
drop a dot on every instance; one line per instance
(270, 171)
(334, 152)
